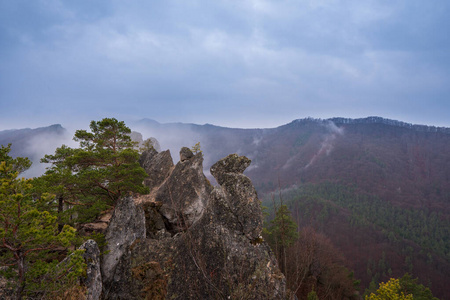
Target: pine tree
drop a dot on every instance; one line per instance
(283, 233)
(94, 176)
(196, 148)
(27, 234)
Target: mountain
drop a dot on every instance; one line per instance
(34, 144)
(409, 164)
(406, 163)
(378, 188)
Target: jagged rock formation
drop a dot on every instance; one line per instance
(137, 137)
(93, 280)
(158, 164)
(126, 226)
(198, 241)
(236, 203)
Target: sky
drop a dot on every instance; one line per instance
(234, 63)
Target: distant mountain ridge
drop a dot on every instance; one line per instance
(300, 142)
(34, 144)
(403, 166)
(380, 120)
(336, 120)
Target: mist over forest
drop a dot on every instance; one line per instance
(376, 188)
(352, 207)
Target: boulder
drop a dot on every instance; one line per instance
(232, 164)
(186, 154)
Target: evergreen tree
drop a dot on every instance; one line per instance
(282, 234)
(27, 234)
(410, 286)
(61, 181)
(196, 148)
(19, 164)
(94, 176)
(312, 295)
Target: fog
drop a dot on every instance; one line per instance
(327, 144)
(38, 146)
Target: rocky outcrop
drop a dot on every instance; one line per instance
(100, 225)
(236, 204)
(184, 194)
(157, 165)
(148, 143)
(93, 279)
(199, 242)
(126, 227)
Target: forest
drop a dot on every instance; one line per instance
(42, 221)
(318, 211)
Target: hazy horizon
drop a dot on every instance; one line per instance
(241, 64)
(133, 123)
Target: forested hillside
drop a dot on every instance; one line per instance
(379, 240)
(377, 189)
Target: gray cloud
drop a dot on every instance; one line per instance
(254, 63)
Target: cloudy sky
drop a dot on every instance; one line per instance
(237, 63)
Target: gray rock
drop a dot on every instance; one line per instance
(127, 225)
(136, 137)
(236, 204)
(184, 194)
(233, 163)
(186, 154)
(154, 221)
(157, 165)
(93, 280)
(204, 242)
(154, 142)
(146, 159)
